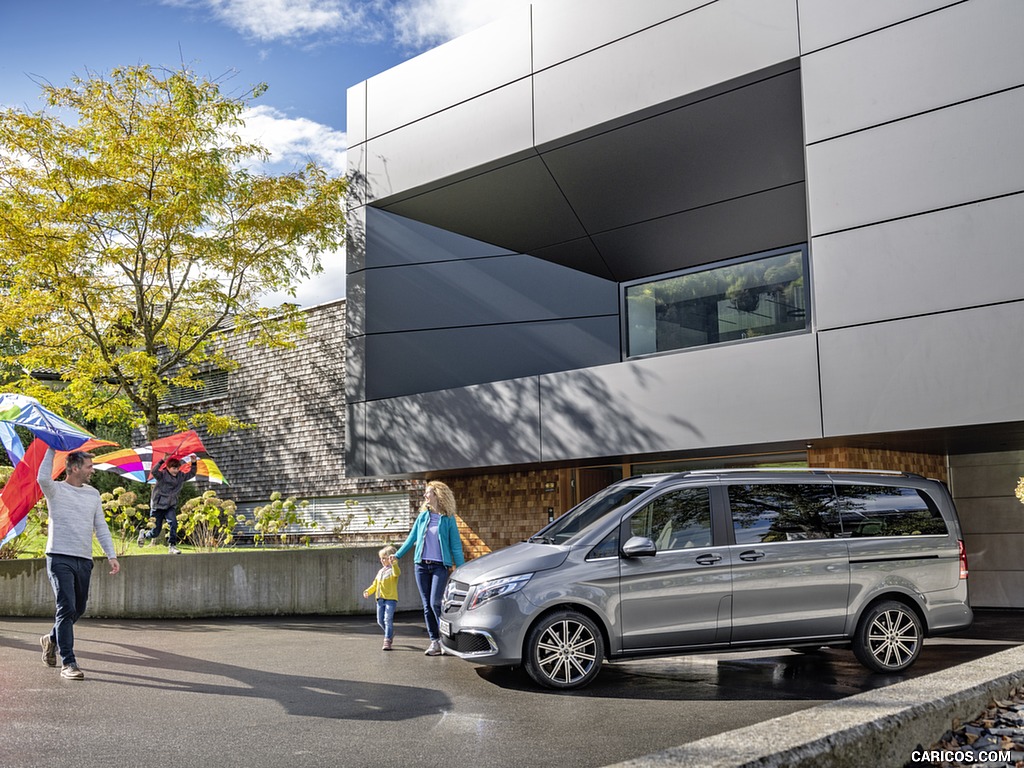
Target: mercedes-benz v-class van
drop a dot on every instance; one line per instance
(719, 561)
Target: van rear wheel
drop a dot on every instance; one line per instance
(564, 650)
(888, 637)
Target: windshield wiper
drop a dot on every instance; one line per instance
(541, 540)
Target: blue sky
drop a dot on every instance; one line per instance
(309, 52)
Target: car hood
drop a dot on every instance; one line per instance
(519, 558)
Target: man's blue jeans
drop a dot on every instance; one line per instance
(69, 577)
(431, 579)
(386, 616)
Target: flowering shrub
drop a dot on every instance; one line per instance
(274, 518)
(207, 522)
(125, 515)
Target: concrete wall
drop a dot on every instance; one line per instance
(327, 581)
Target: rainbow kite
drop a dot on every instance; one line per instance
(137, 463)
(22, 491)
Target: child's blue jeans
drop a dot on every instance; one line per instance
(386, 617)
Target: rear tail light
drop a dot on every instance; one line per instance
(963, 560)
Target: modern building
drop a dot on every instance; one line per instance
(598, 238)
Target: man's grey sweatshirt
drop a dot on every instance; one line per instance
(75, 513)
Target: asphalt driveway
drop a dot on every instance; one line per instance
(308, 691)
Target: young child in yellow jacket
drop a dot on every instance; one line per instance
(385, 586)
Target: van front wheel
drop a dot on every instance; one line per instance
(564, 650)
(888, 637)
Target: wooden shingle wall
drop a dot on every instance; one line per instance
(927, 464)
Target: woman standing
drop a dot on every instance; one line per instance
(437, 547)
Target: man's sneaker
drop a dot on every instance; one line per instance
(434, 649)
(142, 537)
(49, 651)
(173, 550)
(386, 646)
(72, 672)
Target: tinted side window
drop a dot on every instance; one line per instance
(874, 510)
(782, 512)
(679, 519)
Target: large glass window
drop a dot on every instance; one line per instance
(783, 512)
(884, 511)
(759, 296)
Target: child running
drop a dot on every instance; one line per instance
(385, 586)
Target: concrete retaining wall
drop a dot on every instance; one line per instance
(233, 583)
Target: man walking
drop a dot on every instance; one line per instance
(76, 513)
(163, 502)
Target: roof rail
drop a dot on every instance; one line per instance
(815, 470)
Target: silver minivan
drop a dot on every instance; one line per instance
(719, 560)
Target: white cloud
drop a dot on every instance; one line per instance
(293, 141)
(412, 24)
(421, 24)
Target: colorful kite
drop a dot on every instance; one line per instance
(22, 491)
(137, 463)
(56, 431)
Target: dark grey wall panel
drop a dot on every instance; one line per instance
(826, 22)
(748, 224)
(951, 259)
(355, 439)
(715, 43)
(911, 68)
(744, 141)
(405, 363)
(483, 426)
(394, 240)
(918, 164)
(502, 289)
(756, 392)
(956, 368)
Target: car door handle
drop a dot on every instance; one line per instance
(751, 555)
(708, 559)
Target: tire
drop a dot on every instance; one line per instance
(564, 651)
(888, 637)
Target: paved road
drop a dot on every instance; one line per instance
(307, 691)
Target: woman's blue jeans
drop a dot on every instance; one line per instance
(69, 577)
(386, 616)
(431, 580)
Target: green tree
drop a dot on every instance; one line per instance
(135, 233)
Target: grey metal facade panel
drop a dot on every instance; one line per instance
(950, 259)
(355, 114)
(489, 425)
(395, 240)
(958, 53)
(748, 140)
(460, 70)
(424, 361)
(355, 238)
(606, 22)
(355, 440)
(500, 289)
(918, 164)
(355, 174)
(826, 22)
(355, 369)
(745, 225)
(718, 42)
(489, 129)
(955, 368)
(755, 392)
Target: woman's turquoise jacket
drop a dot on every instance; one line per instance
(447, 532)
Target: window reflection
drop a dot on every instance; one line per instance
(757, 297)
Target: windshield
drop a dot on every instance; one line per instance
(587, 512)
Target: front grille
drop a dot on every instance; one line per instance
(454, 595)
(469, 642)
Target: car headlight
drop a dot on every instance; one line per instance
(497, 588)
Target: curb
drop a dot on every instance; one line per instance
(878, 728)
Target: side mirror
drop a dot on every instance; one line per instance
(639, 546)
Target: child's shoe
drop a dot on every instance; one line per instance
(386, 646)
